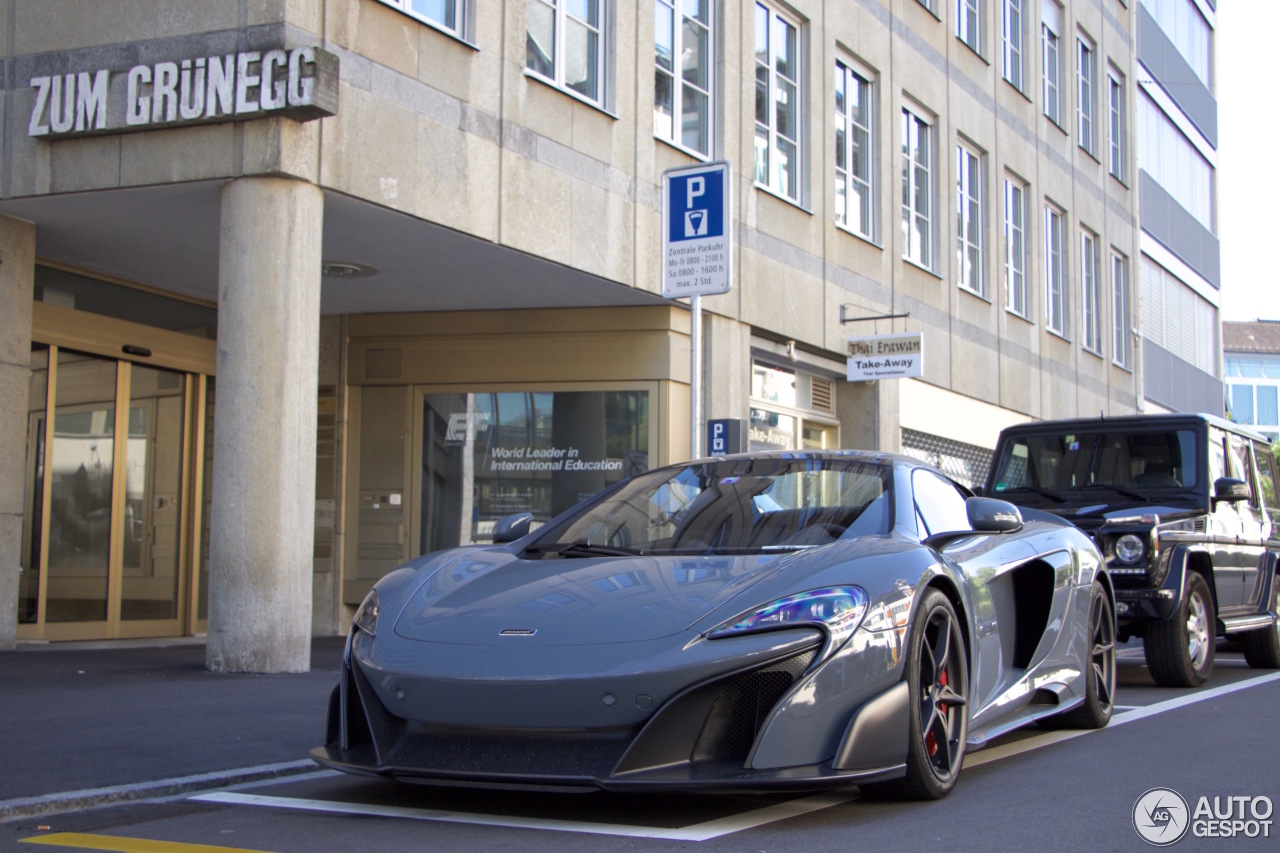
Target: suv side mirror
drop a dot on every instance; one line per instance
(1230, 489)
(512, 527)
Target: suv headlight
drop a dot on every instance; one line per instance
(1130, 549)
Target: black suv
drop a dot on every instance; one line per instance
(1183, 508)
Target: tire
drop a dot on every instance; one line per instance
(1100, 672)
(1261, 647)
(937, 676)
(1179, 650)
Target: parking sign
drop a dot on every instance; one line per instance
(695, 233)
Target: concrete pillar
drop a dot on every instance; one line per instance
(726, 369)
(870, 416)
(17, 286)
(264, 449)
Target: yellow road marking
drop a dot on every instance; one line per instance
(128, 845)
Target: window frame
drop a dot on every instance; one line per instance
(1121, 301)
(1051, 66)
(970, 163)
(679, 81)
(848, 71)
(1116, 125)
(1056, 304)
(969, 21)
(911, 169)
(1090, 294)
(1015, 253)
(463, 12)
(604, 59)
(1013, 56)
(777, 15)
(1086, 92)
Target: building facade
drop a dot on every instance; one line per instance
(293, 291)
(1251, 373)
(1180, 267)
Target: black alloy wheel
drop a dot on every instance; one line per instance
(1100, 674)
(937, 676)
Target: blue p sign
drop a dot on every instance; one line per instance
(697, 206)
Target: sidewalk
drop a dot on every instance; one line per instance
(90, 723)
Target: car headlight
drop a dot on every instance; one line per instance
(1130, 548)
(367, 616)
(838, 609)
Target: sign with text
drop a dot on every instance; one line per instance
(301, 83)
(695, 230)
(886, 357)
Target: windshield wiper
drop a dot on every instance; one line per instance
(1128, 493)
(1047, 493)
(583, 548)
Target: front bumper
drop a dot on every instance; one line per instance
(701, 738)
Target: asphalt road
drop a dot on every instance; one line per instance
(1033, 790)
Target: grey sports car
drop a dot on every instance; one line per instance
(759, 621)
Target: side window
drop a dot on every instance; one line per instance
(940, 505)
(1217, 457)
(1267, 481)
(1241, 468)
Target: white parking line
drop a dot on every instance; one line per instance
(697, 832)
(720, 826)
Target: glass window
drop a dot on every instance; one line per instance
(778, 101)
(1015, 257)
(940, 506)
(1169, 157)
(1063, 461)
(1120, 319)
(1086, 73)
(1051, 38)
(684, 59)
(969, 225)
(1176, 318)
(917, 188)
(855, 170)
(1188, 30)
(565, 45)
(969, 23)
(1055, 295)
(489, 455)
(1090, 296)
(1115, 124)
(1012, 42)
(445, 14)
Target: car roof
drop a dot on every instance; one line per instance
(1145, 421)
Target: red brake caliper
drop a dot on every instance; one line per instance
(930, 741)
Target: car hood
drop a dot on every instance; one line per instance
(489, 596)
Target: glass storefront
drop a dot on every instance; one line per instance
(489, 455)
(782, 417)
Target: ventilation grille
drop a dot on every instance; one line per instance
(742, 706)
(822, 395)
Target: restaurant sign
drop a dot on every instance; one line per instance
(886, 357)
(301, 83)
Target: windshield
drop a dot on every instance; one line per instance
(1126, 461)
(731, 507)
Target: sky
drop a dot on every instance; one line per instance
(1248, 175)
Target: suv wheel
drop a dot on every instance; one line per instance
(1180, 650)
(1262, 646)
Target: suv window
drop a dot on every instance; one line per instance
(1242, 468)
(1267, 482)
(1147, 459)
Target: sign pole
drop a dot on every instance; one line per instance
(696, 258)
(695, 379)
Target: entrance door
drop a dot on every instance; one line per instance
(106, 522)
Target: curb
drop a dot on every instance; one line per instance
(48, 804)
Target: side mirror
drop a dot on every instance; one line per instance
(512, 527)
(1230, 489)
(992, 515)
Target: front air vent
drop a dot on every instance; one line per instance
(743, 704)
